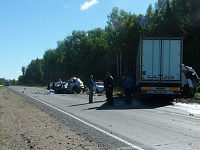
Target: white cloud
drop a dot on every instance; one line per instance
(87, 4)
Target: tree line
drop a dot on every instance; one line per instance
(114, 48)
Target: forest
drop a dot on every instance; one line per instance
(115, 47)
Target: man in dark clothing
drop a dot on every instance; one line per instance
(104, 82)
(128, 87)
(48, 85)
(53, 85)
(90, 85)
(109, 88)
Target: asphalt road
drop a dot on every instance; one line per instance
(142, 125)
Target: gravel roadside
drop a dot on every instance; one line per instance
(23, 126)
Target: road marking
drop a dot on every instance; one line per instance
(107, 133)
(177, 114)
(184, 116)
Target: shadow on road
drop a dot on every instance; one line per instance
(86, 103)
(137, 103)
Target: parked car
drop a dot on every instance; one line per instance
(98, 87)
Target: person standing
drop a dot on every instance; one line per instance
(104, 82)
(53, 85)
(109, 88)
(128, 87)
(48, 85)
(90, 85)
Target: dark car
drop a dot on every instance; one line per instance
(58, 88)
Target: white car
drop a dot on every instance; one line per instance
(98, 87)
(73, 85)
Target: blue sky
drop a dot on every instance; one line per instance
(30, 27)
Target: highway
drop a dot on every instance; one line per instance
(141, 125)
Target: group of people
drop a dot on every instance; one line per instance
(109, 86)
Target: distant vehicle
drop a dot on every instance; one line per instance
(98, 87)
(7, 82)
(159, 66)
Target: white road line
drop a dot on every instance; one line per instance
(185, 116)
(177, 114)
(107, 133)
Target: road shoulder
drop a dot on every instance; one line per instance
(23, 126)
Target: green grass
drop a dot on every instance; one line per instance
(2, 87)
(118, 90)
(197, 96)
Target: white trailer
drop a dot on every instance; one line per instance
(158, 66)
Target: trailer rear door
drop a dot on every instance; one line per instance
(161, 60)
(150, 60)
(171, 63)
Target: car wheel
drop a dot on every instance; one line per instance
(76, 89)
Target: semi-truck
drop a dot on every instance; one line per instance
(7, 82)
(159, 66)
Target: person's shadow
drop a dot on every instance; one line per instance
(137, 103)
